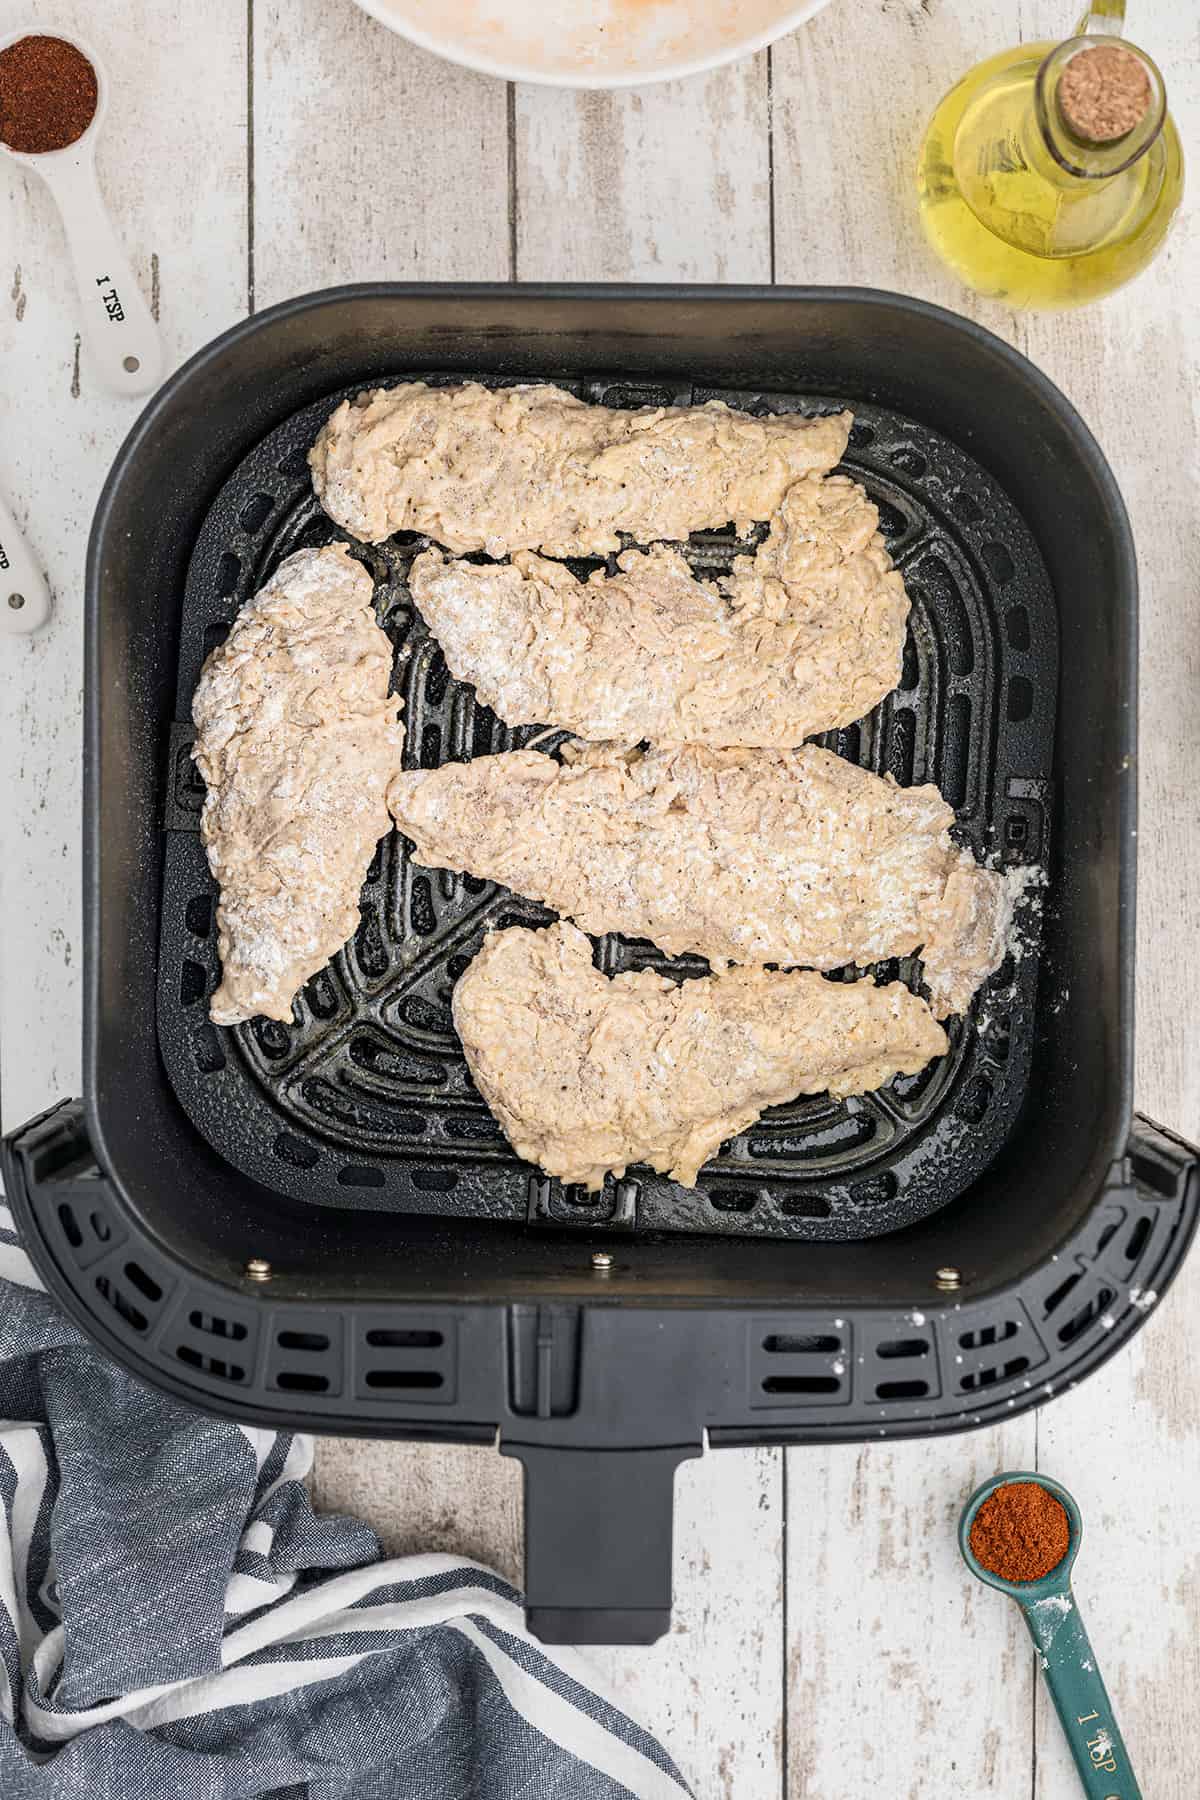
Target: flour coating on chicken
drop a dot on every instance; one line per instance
(532, 467)
(297, 739)
(746, 856)
(804, 636)
(588, 1075)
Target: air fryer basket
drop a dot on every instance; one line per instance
(365, 1099)
(420, 1281)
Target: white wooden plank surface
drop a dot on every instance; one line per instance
(904, 1677)
(657, 184)
(371, 159)
(461, 1498)
(901, 1678)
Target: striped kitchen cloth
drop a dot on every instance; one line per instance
(176, 1623)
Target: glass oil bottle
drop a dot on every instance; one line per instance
(1051, 174)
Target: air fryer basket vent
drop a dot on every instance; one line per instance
(364, 1099)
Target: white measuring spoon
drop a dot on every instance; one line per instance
(124, 347)
(24, 595)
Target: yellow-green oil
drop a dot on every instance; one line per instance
(1011, 222)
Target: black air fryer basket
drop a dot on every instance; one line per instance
(319, 1226)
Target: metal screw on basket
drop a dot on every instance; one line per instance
(16, 601)
(601, 1261)
(949, 1278)
(258, 1270)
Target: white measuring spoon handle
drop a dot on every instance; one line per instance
(24, 595)
(123, 341)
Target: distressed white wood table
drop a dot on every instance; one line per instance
(826, 1643)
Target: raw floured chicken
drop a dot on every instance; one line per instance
(805, 636)
(743, 856)
(297, 739)
(532, 467)
(969, 931)
(587, 1075)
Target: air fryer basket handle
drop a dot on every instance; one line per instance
(598, 1542)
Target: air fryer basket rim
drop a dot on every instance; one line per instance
(1088, 450)
(668, 292)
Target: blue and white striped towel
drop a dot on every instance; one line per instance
(176, 1623)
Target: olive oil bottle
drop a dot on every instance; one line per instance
(1051, 174)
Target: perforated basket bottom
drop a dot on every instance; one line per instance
(365, 1100)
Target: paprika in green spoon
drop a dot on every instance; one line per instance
(1020, 1533)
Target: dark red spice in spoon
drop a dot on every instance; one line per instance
(48, 95)
(1020, 1532)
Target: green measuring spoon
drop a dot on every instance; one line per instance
(1064, 1653)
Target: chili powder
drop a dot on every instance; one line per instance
(1020, 1532)
(48, 94)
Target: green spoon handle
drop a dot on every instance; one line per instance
(1080, 1697)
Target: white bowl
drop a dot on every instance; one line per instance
(592, 43)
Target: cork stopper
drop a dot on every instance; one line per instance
(1103, 93)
